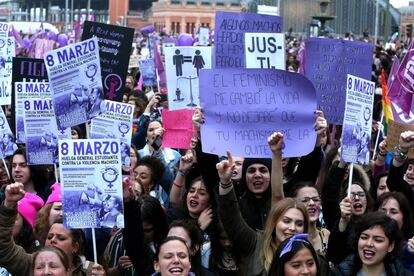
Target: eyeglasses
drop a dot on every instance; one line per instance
(306, 200)
(359, 194)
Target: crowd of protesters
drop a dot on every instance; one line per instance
(191, 213)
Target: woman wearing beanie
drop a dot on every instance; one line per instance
(50, 213)
(22, 233)
(19, 262)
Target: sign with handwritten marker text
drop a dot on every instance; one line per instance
(265, 51)
(242, 107)
(229, 32)
(178, 127)
(328, 61)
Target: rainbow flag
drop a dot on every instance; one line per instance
(386, 102)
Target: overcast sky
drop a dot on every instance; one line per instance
(399, 3)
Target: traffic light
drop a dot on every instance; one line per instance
(409, 30)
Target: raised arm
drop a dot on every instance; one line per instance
(405, 143)
(275, 142)
(133, 233)
(12, 257)
(243, 237)
(397, 179)
(379, 165)
(186, 163)
(309, 165)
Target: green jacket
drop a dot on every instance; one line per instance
(14, 258)
(245, 240)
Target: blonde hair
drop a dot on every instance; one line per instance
(277, 211)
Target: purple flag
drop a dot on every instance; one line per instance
(242, 107)
(302, 57)
(401, 90)
(393, 73)
(140, 81)
(159, 65)
(328, 61)
(78, 29)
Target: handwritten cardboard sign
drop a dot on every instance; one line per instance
(242, 107)
(265, 51)
(394, 129)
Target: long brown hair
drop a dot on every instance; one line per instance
(277, 211)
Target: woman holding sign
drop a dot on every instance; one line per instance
(18, 262)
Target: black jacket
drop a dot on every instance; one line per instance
(347, 268)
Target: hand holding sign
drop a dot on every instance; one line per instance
(346, 209)
(382, 147)
(320, 126)
(198, 118)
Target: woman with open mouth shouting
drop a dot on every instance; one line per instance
(376, 244)
(172, 258)
(352, 208)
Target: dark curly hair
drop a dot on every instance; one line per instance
(391, 231)
(154, 164)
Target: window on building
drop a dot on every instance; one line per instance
(205, 3)
(190, 2)
(175, 2)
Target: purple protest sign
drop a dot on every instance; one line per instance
(328, 61)
(242, 107)
(229, 31)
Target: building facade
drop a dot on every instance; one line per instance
(407, 17)
(184, 16)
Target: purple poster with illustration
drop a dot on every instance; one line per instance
(229, 31)
(75, 79)
(91, 177)
(328, 61)
(115, 44)
(243, 107)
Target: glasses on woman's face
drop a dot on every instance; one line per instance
(359, 194)
(306, 200)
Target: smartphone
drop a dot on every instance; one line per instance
(156, 144)
(163, 98)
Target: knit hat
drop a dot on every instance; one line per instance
(56, 195)
(28, 207)
(250, 161)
